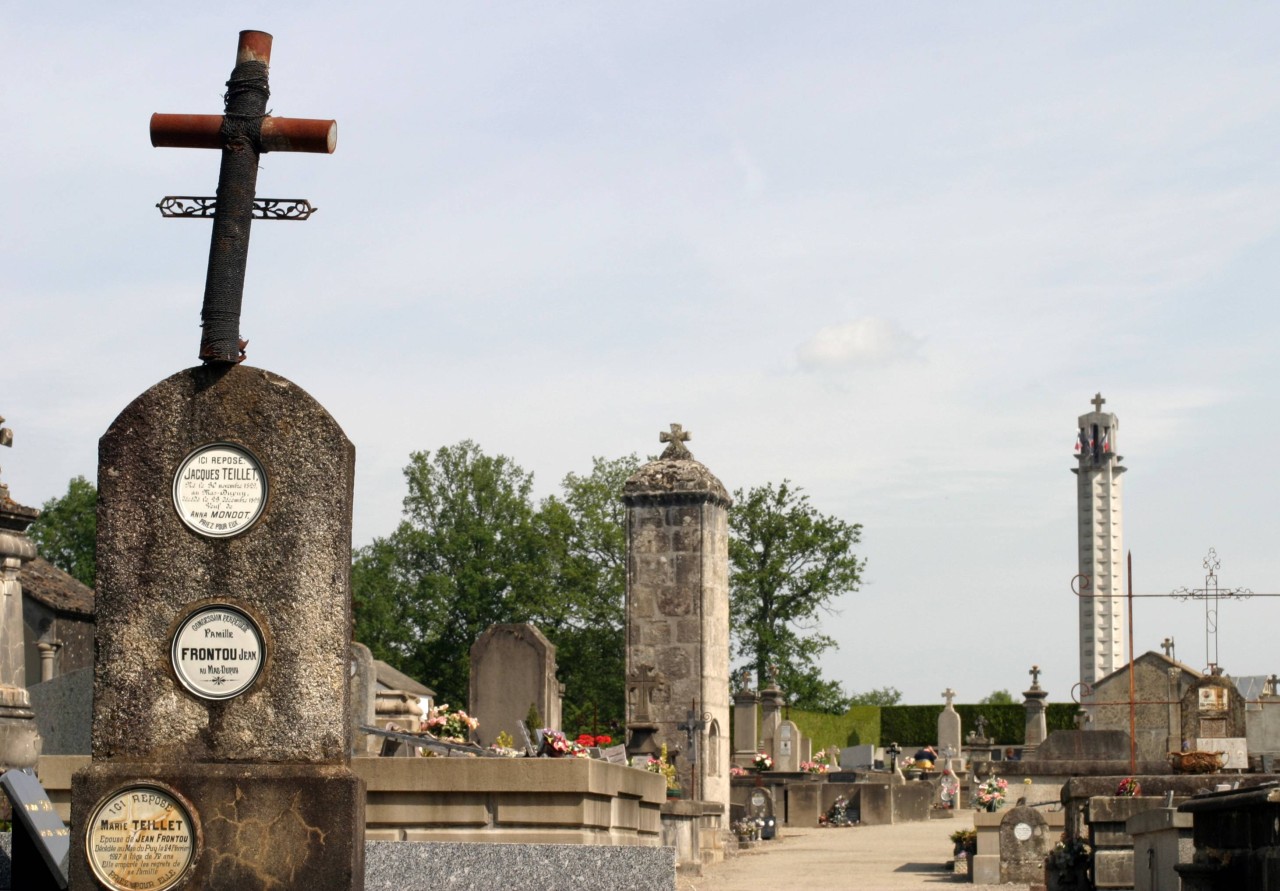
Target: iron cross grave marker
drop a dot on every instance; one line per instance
(243, 132)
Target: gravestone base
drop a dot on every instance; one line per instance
(262, 825)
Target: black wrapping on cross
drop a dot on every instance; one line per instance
(246, 104)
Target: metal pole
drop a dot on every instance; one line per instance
(1133, 719)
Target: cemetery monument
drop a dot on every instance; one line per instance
(19, 739)
(220, 754)
(677, 613)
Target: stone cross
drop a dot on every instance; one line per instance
(1167, 646)
(644, 681)
(1098, 402)
(1035, 676)
(894, 751)
(949, 694)
(243, 133)
(677, 438)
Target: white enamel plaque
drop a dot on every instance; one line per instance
(217, 652)
(1022, 831)
(140, 838)
(219, 490)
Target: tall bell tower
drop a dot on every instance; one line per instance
(1099, 498)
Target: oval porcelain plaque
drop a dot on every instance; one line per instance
(219, 490)
(1022, 831)
(217, 652)
(140, 838)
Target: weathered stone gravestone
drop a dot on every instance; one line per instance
(1024, 843)
(220, 717)
(786, 750)
(949, 729)
(677, 521)
(746, 717)
(513, 666)
(1033, 702)
(1213, 720)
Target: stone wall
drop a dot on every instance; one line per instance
(494, 800)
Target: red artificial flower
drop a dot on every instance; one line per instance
(586, 739)
(604, 740)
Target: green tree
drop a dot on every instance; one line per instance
(66, 532)
(469, 553)
(997, 697)
(789, 564)
(878, 696)
(586, 534)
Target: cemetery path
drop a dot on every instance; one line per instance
(905, 855)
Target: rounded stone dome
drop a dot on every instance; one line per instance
(675, 476)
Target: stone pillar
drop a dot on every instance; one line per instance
(1036, 729)
(1099, 501)
(950, 741)
(677, 524)
(746, 707)
(771, 701)
(19, 739)
(48, 652)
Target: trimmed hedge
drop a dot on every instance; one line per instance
(860, 724)
(915, 725)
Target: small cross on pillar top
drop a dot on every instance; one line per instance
(949, 695)
(677, 439)
(1098, 402)
(1035, 675)
(1167, 646)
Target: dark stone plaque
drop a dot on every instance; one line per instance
(37, 830)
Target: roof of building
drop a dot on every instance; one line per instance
(1148, 656)
(393, 679)
(46, 583)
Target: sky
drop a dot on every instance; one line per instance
(886, 251)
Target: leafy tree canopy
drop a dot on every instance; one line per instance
(66, 531)
(474, 549)
(997, 697)
(878, 696)
(789, 565)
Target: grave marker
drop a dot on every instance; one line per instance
(513, 666)
(40, 839)
(220, 747)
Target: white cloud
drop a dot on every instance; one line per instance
(870, 340)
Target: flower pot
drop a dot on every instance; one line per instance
(673, 793)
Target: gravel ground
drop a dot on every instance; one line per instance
(906, 855)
